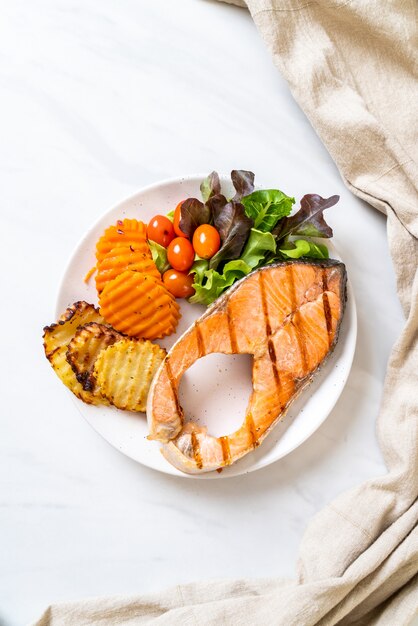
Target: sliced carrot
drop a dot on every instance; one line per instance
(139, 305)
(89, 274)
(121, 258)
(127, 232)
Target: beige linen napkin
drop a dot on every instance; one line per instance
(352, 66)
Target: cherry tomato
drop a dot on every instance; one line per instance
(176, 221)
(179, 284)
(160, 230)
(180, 254)
(206, 241)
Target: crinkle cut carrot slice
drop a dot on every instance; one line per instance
(125, 232)
(139, 305)
(121, 258)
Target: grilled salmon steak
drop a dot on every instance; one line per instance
(288, 317)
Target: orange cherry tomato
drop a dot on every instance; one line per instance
(180, 254)
(176, 221)
(206, 241)
(160, 230)
(179, 284)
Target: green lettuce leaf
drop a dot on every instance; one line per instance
(213, 283)
(199, 268)
(209, 284)
(159, 256)
(266, 207)
(258, 244)
(304, 248)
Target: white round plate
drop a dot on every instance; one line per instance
(215, 390)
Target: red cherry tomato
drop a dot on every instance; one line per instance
(180, 254)
(160, 230)
(179, 284)
(206, 241)
(176, 221)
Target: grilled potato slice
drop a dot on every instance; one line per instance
(124, 372)
(84, 348)
(58, 336)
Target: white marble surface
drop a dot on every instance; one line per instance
(97, 99)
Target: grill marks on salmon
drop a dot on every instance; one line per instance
(288, 317)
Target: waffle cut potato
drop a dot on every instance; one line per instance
(123, 372)
(84, 348)
(56, 339)
(80, 349)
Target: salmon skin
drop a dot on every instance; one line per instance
(286, 315)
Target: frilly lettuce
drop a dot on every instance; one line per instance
(209, 284)
(256, 228)
(159, 256)
(309, 220)
(302, 247)
(266, 207)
